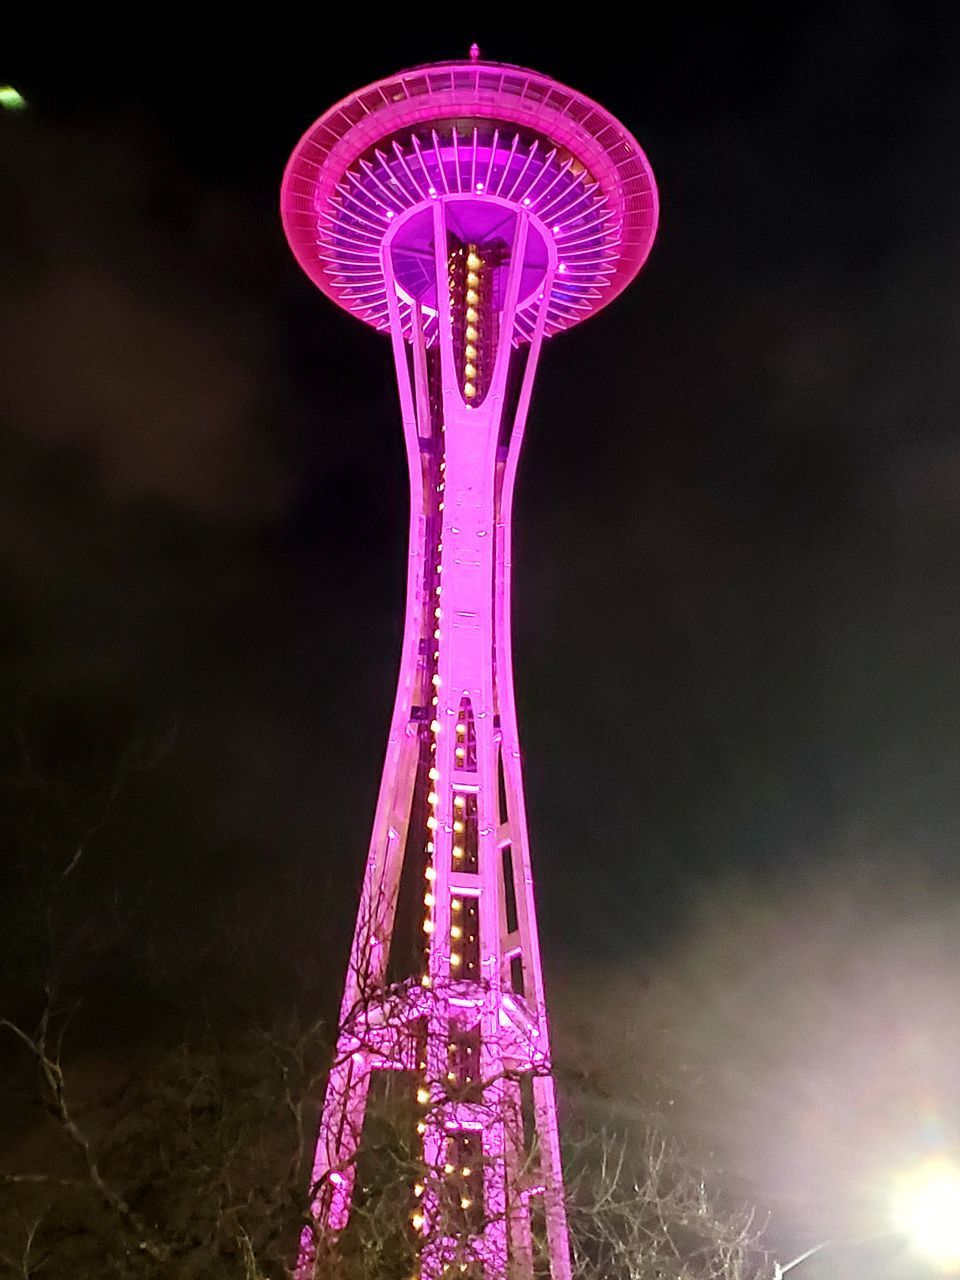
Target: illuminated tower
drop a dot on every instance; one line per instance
(470, 210)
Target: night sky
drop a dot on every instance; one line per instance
(737, 584)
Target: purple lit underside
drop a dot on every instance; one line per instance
(449, 127)
(452, 219)
(525, 172)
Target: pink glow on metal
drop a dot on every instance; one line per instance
(468, 243)
(392, 145)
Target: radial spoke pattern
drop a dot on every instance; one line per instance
(477, 129)
(396, 177)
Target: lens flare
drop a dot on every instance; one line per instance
(10, 99)
(927, 1210)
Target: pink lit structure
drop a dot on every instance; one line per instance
(470, 210)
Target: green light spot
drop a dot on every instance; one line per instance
(10, 100)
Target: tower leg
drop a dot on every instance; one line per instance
(334, 1168)
(495, 1186)
(545, 1111)
(518, 1211)
(344, 1105)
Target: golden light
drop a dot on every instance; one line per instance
(927, 1210)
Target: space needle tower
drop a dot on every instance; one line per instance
(469, 210)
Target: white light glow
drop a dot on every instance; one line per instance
(927, 1210)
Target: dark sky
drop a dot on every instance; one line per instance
(737, 597)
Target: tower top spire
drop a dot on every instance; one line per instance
(474, 52)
